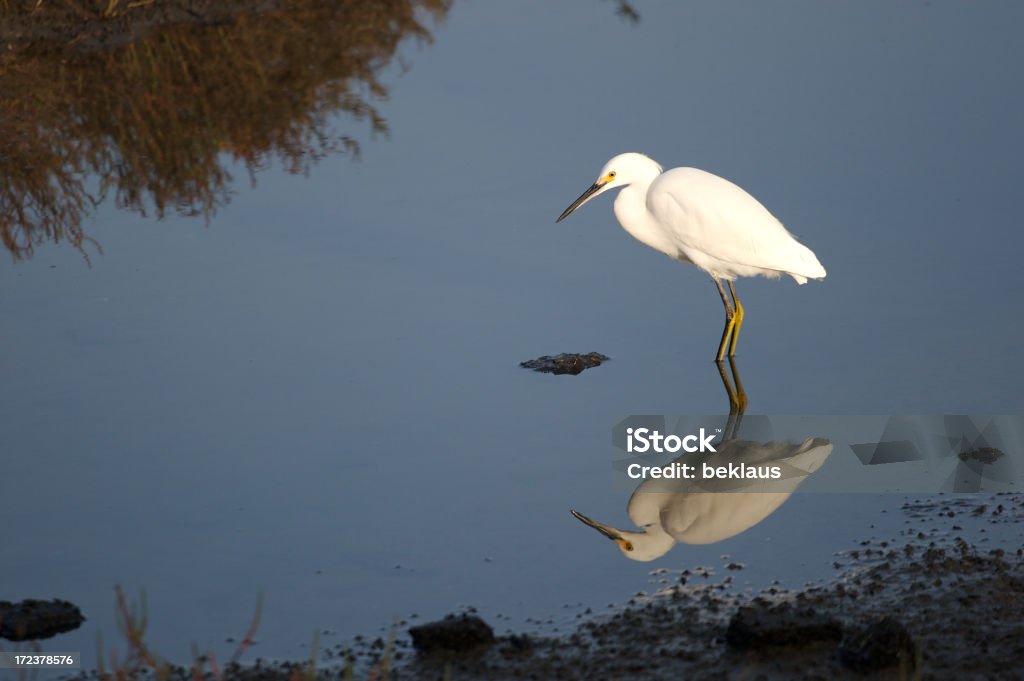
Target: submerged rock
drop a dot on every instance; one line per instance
(984, 455)
(31, 619)
(455, 633)
(565, 363)
(879, 645)
(762, 626)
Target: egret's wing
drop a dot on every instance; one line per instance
(712, 517)
(708, 517)
(710, 216)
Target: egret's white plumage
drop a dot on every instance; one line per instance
(703, 220)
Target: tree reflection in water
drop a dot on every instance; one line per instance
(157, 121)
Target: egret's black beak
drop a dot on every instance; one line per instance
(584, 197)
(609, 532)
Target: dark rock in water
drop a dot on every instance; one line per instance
(518, 644)
(876, 646)
(30, 620)
(762, 626)
(455, 633)
(566, 363)
(984, 455)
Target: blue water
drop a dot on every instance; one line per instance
(317, 396)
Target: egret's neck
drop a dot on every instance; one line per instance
(631, 212)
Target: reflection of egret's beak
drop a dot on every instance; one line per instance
(584, 197)
(606, 530)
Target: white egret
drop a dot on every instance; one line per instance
(703, 220)
(692, 512)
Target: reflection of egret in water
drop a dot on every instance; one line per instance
(737, 396)
(706, 511)
(699, 511)
(156, 122)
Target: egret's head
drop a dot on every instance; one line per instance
(623, 170)
(642, 546)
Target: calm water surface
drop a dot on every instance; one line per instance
(316, 396)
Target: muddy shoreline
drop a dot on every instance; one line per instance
(960, 605)
(928, 604)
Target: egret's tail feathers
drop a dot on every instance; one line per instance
(808, 267)
(817, 272)
(811, 454)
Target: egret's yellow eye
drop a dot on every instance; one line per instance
(611, 175)
(626, 544)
